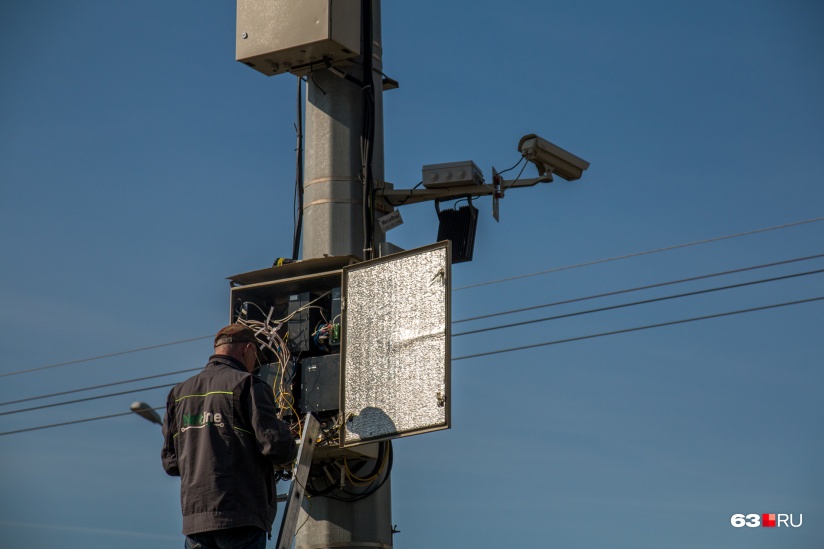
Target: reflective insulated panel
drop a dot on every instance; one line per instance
(396, 345)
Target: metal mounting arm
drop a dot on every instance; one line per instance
(402, 197)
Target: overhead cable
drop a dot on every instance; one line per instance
(73, 422)
(636, 289)
(639, 328)
(637, 254)
(512, 349)
(61, 393)
(643, 302)
(87, 399)
(568, 267)
(79, 360)
(526, 322)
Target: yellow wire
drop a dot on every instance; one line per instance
(300, 427)
(358, 481)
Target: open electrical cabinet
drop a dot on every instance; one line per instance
(362, 346)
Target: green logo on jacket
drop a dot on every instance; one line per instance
(201, 420)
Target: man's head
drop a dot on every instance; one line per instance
(239, 342)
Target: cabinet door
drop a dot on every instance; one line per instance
(395, 378)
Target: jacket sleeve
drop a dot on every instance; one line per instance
(168, 455)
(274, 440)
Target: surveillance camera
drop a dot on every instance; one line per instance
(551, 158)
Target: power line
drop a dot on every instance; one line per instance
(87, 399)
(79, 360)
(72, 422)
(636, 289)
(470, 332)
(568, 267)
(509, 350)
(62, 393)
(637, 254)
(502, 313)
(643, 302)
(639, 328)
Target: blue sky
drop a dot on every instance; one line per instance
(140, 165)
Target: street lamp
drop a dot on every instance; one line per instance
(146, 412)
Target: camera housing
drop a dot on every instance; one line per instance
(551, 159)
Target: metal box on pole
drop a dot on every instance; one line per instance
(389, 375)
(277, 36)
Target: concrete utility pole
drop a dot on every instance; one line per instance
(333, 191)
(344, 193)
(333, 224)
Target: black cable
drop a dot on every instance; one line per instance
(643, 302)
(377, 465)
(513, 311)
(72, 422)
(638, 254)
(639, 288)
(513, 167)
(516, 179)
(411, 192)
(368, 131)
(513, 349)
(315, 492)
(61, 393)
(87, 399)
(105, 356)
(569, 267)
(374, 488)
(467, 198)
(312, 77)
(639, 328)
(384, 461)
(522, 323)
(298, 173)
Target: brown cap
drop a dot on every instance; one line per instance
(235, 333)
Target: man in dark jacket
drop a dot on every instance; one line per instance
(223, 438)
